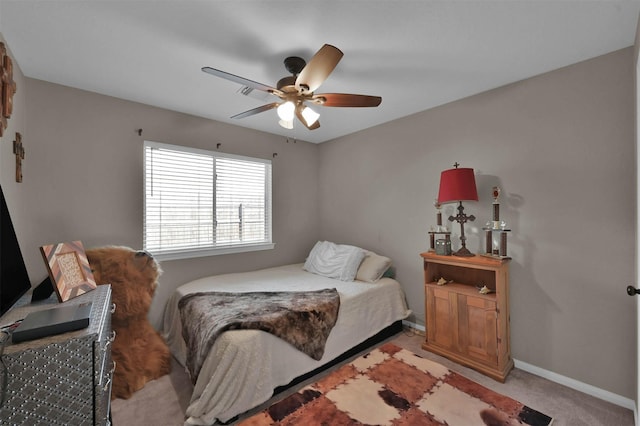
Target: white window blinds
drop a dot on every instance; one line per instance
(199, 203)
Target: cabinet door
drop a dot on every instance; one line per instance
(478, 328)
(442, 310)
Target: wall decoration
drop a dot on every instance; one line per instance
(68, 269)
(18, 150)
(8, 87)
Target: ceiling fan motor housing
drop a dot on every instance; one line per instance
(287, 84)
(294, 65)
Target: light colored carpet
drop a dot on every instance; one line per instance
(163, 402)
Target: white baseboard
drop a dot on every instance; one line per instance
(563, 380)
(577, 385)
(414, 325)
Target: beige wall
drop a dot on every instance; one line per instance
(83, 179)
(561, 147)
(17, 123)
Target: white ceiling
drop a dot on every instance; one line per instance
(415, 54)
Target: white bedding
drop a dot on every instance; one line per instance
(244, 366)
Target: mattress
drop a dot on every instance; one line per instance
(245, 366)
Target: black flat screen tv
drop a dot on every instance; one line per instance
(14, 280)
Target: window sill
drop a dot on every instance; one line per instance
(190, 254)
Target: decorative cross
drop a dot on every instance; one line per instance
(8, 87)
(3, 75)
(18, 150)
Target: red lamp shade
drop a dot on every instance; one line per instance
(457, 185)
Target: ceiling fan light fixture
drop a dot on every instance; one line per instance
(310, 116)
(287, 124)
(298, 89)
(286, 111)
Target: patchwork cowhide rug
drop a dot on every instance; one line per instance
(393, 386)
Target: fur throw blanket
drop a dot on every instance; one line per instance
(304, 319)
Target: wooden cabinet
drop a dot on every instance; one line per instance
(462, 324)
(63, 379)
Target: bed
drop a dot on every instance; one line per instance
(244, 367)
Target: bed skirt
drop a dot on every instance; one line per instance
(384, 334)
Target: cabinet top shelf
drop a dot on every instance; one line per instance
(477, 260)
(465, 289)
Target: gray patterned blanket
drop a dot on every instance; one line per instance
(302, 318)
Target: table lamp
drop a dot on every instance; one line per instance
(458, 185)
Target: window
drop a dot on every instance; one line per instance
(201, 203)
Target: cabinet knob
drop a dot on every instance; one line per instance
(109, 377)
(632, 291)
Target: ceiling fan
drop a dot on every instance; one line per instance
(297, 90)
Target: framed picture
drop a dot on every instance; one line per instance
(69, 269)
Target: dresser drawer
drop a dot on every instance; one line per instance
(63, 379)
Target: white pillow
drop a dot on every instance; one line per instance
(313, 255)
(372, 267)
(334, 261)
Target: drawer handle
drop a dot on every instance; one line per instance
(110, 340)
(106, 385)
(113, 308)
(109, 376)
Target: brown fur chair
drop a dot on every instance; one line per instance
(139, 351)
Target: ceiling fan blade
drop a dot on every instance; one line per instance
(313, 126)
(318, 68)
(242, 80)
(346, 100)
(257, 110)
